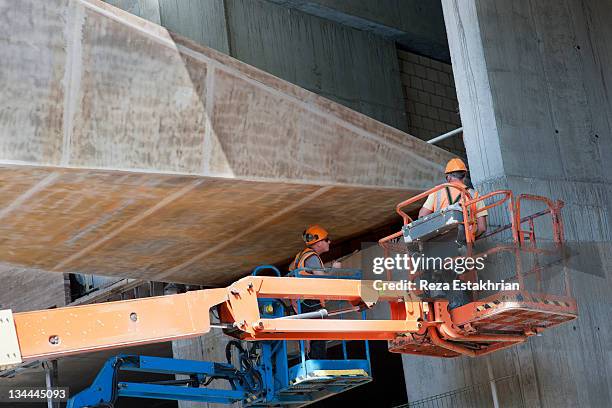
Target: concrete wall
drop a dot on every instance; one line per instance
(416, 25)
(210, 347)
(25, 290)
(431, 99)
(534, 87)
(355, 68)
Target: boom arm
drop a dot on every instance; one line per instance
(414, 326)
(66, 331)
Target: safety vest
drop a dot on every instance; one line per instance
(299, 262)
(300, 259)
(439, 196)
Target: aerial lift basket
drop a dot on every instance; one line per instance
(496, 320)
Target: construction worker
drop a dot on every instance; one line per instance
(456, 172)
(317, 243)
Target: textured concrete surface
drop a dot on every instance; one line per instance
(126, 150)
(354, 68)
(52, 289)
(203, 21)
(534, 88)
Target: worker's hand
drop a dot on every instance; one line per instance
(337, 265)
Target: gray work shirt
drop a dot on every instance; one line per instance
(313, 262)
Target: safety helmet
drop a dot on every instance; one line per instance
(314, 234)
(455, 165)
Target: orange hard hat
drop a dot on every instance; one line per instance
(314, 234)
(455, 165)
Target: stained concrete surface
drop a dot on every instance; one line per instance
(126, 150)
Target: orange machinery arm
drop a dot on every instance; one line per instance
(66, 331)
(53, 333)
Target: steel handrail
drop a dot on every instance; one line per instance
(468, 203)
(554, 207)
(407, 219)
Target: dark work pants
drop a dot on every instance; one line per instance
(318, 348)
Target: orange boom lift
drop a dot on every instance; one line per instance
(414, 325)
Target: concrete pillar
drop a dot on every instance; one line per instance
(533, 83)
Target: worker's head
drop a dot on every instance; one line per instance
(317, 238)
(455, 170)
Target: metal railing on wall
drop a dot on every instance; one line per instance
(446, 135)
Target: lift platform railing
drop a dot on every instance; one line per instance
(520, 236)
(467, 329)
(468, 206)
(331, 273)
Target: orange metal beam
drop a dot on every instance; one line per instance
(73, 330)
(80, 329)
(318, 288)
(359, 329)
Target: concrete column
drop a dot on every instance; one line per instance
(472, 84)
(531, 81)
(534, 88)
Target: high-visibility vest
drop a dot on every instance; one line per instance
(299, 262)
(300, 259)
(439, 203)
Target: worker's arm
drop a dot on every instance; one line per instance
(481, 225)
(481, 219)
(312, 262)
(424, 211)
(428, 206)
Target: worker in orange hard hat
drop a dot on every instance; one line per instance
(456, 173)
(317, 242)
